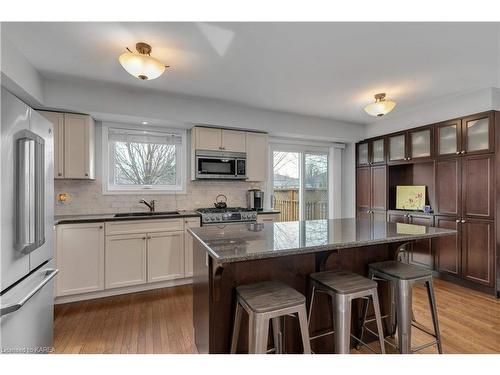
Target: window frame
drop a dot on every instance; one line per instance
(181, 164)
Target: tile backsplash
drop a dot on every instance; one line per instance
(85, 197)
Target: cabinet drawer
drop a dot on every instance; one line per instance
(143, 226)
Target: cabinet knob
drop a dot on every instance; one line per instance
(59, 174)
(462, 152)
(458, 152)
(457, 221)
(100, 227)
(86, 174)
(144, 238)
(462, 221)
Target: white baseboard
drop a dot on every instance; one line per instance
(124, 290)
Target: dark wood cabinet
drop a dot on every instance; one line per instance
(372, 152)
(448, 186)
(363, 182)
(448, 138)
(458, 162)
(478, 184)
(447, 250)
(478, 134)
(478, 251)
(378, 187)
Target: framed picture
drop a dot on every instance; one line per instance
(410, 197)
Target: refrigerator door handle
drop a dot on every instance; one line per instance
(7, 309)
(30, 177)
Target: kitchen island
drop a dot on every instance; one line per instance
(227, 256)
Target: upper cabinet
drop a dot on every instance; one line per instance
(257, 161)
(74, 137)
(371, 152)
(412, 145)
(467, 136)
(214, 139)
(478, 134)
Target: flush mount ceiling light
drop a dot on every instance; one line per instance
(381, 106)
(141, 64)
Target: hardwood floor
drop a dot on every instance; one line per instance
(160, 321)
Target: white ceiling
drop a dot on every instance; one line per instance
(322, 69)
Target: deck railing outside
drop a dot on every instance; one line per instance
(287, 202)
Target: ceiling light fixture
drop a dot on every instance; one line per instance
(381, 106)
(144, 122)
(141, 64)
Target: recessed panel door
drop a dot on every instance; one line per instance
(478, 186)
(378, 185)
(478, 249)
(363, 188)
(447, 249)
(448, 186)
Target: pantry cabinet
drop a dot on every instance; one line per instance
(79, 258)
(74, 145)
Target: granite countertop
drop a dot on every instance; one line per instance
(75, 219)
(241, 242)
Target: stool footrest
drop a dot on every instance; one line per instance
(322, 334)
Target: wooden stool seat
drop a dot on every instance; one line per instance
(269, 296)
(343, 282)
(399, 270)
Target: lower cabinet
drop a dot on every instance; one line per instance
(188, 245)
(125, 260)
(165, 256)
(471, 254)
(79, 258)
(92, 257)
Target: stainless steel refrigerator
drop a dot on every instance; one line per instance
(26, 209)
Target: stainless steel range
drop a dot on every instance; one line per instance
(226, 215)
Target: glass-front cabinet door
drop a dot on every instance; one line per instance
(378, 151)
(397, 147)
(420, 143)
(478, 134)
(448, 141)
(362, 157)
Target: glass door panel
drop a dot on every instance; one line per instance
(420, 144)
(315, 186)
(363, 154)
(286, 184)
(447, 138)
(478, 135)
(378, 151)
(397, 147)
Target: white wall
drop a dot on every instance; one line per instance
(18, 75)
(100, 99)
(441, 109)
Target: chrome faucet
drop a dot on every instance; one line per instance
(151, 205)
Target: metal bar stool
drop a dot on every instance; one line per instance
(264, 301)
(343, 287)
(401, 277)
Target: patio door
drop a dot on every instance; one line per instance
(300, 182)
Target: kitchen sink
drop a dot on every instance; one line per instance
(159, 213)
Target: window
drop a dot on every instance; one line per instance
(142, 160)
(303, 179)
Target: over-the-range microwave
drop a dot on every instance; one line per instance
(220, 165)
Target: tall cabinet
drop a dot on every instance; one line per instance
(459, 163)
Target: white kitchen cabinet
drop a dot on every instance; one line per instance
(188, 245)
(257, 156)
(267, 218)
(78, 146)
(233, 140)
(74, 145)
(207, 138)
(125, 260)
(57, 120)
(165, 256)
(79, 258)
